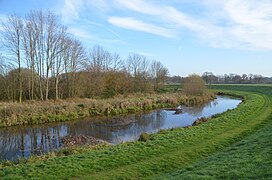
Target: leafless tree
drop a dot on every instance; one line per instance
(74, 58)
(100, 60)
(12, 41)
(159, 74)
(138, 65)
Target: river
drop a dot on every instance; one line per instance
(23, 141)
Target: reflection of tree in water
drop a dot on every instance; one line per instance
(110, 129)
(198, 109)
(24, 141)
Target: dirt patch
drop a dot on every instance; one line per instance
(69, 141)
(200, 120)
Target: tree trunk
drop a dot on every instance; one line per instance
(57, 87)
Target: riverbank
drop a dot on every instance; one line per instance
(38, 112)
(226, 140)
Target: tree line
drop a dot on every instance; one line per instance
(41, 60)
(231, 78)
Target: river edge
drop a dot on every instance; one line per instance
(101, 144)
(40, 112)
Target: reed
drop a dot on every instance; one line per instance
(38, 112)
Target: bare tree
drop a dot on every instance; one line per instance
(74, 57)
(100, 60)
(5, 89)
(34, 40)
(12, 41)
(138, 65)
(44, 39)
(54, 46)
(117, 62)
(159, 74)
(30, 42)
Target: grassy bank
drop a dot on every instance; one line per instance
(37, 112)
(170, 153)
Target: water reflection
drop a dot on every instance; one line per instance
(22, 141)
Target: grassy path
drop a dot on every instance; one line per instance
(209, 150)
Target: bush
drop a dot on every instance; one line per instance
(194, 85)
(144, 137)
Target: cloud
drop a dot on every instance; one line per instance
(166, 13)
(81, 33)
(71, 9)
(91, 38)
(137, 25)
(252, 22)
(236, 24)
(76, 9)
(228, 24)
(3, 19)
(149, 55)
(114, 33)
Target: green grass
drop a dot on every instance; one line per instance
(249, 158)
(236, 144)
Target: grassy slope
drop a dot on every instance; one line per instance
(173, 153)
(249, 158)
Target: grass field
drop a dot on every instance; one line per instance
(236, 144)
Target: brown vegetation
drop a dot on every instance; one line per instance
(36, 112)
(194, 85)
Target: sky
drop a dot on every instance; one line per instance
(187, 36)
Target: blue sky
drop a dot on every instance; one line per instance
(187, 36)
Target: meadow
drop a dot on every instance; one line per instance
(235, 144)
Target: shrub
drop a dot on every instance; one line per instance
(144, 137)
(194, 85)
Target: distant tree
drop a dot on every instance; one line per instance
(194, 85)
(158, 73)
(138, 65)
(100, 60)
(258, 78)
(244, 78)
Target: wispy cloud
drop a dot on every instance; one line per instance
(114, 33)
(252, 22)
(76, 9)
(3, 19)
(92, 39)
(229, 23)
(81, 33)
(137, 25)
(168, 14)
(71, 9)
(149, 55)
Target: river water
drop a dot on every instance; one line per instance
(23, 141)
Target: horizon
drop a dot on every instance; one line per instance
(231, 36)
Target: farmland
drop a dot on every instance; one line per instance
(236, 144)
